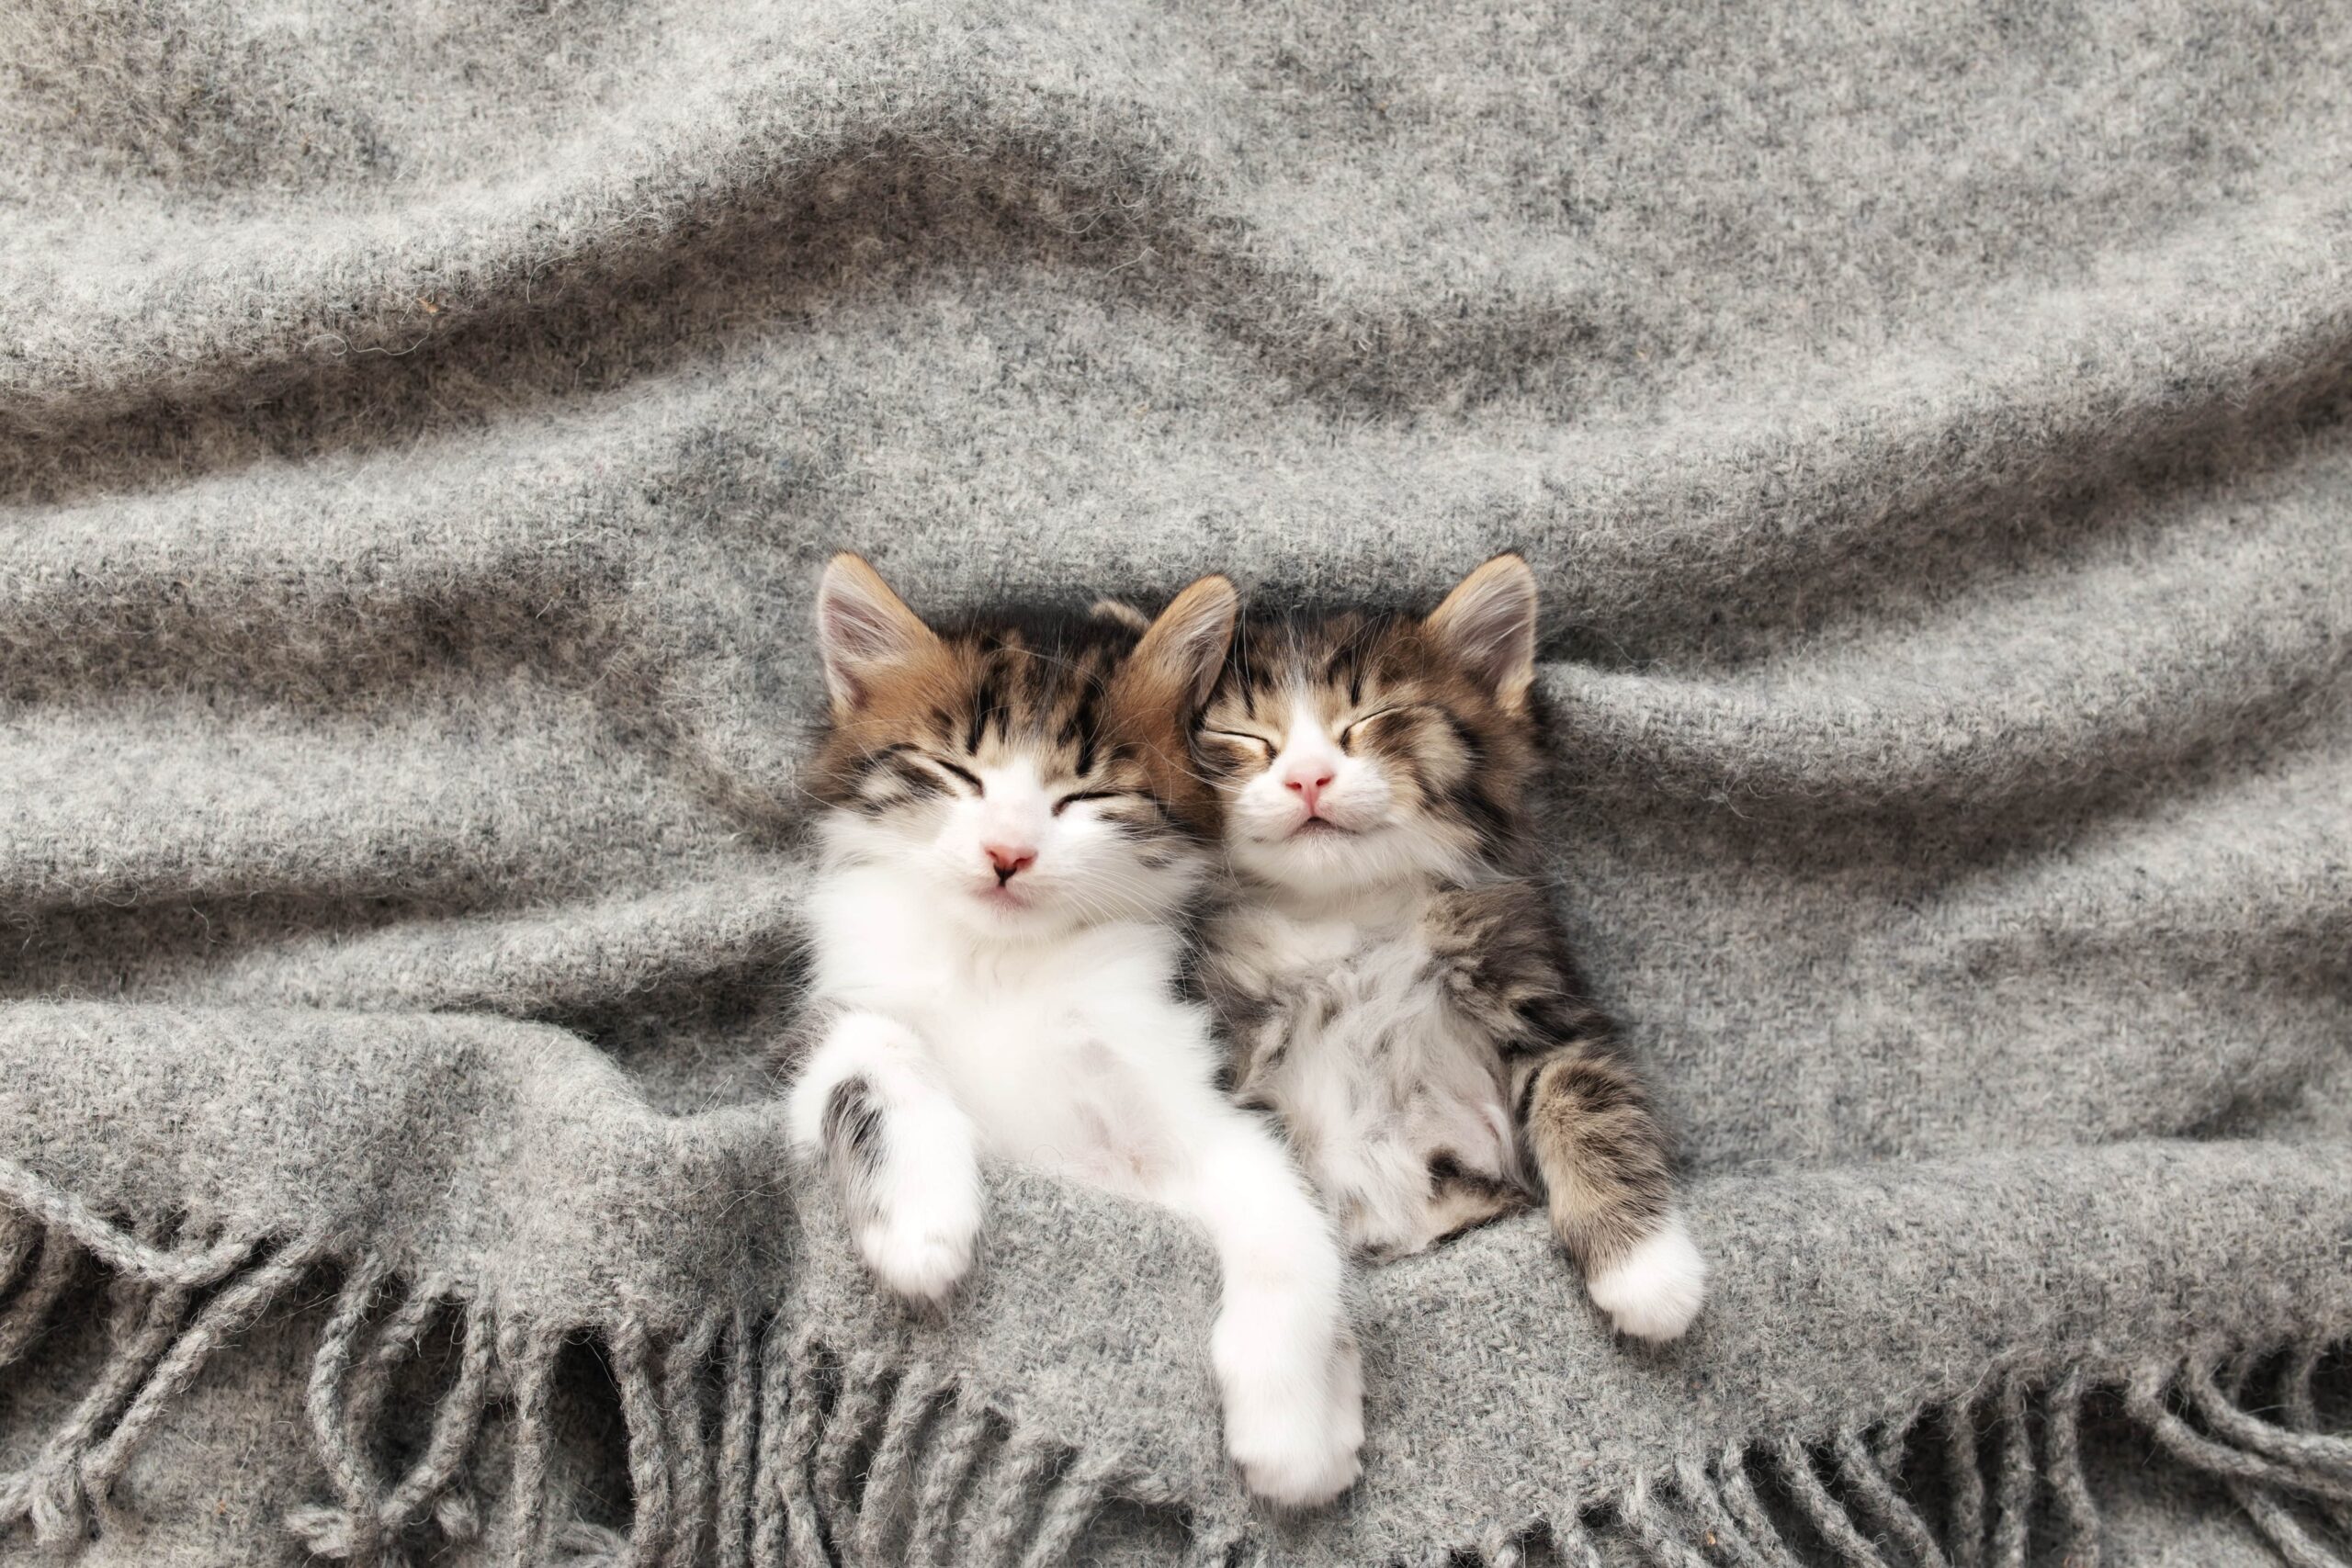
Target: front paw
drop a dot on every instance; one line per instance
(1301, 1455)
(922, 1265)
(1296, 1439)
(1654, 1291)
(921, 1238)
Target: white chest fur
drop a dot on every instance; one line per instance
(1352, 1040)
(1061, 1051)
(1073, 1053)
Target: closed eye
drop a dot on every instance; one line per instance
(965, 775)
(1258, 740)
(1076, 795)
(1354, 724)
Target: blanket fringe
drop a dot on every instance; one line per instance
(169, 1308)
(1786, 1501)
(753, 1443)
(760, 1446)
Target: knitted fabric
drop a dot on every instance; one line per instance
(420, 428)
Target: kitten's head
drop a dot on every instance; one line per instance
(1362, 750)
(1035, 780)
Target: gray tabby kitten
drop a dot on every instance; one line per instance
(1397, 990)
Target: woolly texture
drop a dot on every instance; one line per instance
(420, 428)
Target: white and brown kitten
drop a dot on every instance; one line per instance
(1396, 988)
(1012, 835)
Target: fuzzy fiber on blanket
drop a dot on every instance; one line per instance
(420, 427)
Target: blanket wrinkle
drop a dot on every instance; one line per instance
(420, 430)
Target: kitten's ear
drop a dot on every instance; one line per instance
(863, 629)
(1119, 612)
(1182, 652)
(1487, 624)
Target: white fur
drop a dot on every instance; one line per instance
(1045, 1029)
(1654, 1291)
(926, 1219)
(1332, 932)
(1085, 871)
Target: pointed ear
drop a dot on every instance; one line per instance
(863, 629)
(1119, 612)
(1182, 652)
(1487, 624)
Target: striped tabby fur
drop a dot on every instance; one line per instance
(1396, 986)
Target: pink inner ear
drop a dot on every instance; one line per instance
(1188, 643)
(854, 635)
(1495, 635)
(856, 631)
(1203, 655)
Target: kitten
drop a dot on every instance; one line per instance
(1396, 986)
(1013, 835)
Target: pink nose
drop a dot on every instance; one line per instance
(1008, 861)
(1309, 779)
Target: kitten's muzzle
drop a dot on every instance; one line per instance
(1307, 779)
(1008, 861)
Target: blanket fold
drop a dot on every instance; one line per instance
(502, 1184)
(420, 428)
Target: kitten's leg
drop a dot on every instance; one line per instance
(1602, 1156)
(1582, 1109)
(1380, 1188)
(1286, 1362)
(900, 1149)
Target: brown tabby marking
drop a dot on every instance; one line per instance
(1386, 687)
(1580, 1105)
(1100, 706)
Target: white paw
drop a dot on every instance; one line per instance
(1299, 1461)
(1294, 1426)
(1347, 1400)
(1655, 1291)
(920, 1265)
(916, 1202)
(925, 1220)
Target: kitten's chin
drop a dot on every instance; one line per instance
(1009, 915)
(1355, 861)
(1320, 861)
(1006, 914)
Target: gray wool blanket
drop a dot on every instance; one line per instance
(420, 427)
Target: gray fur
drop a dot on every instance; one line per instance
(854, 1134)
(1375, 1071)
